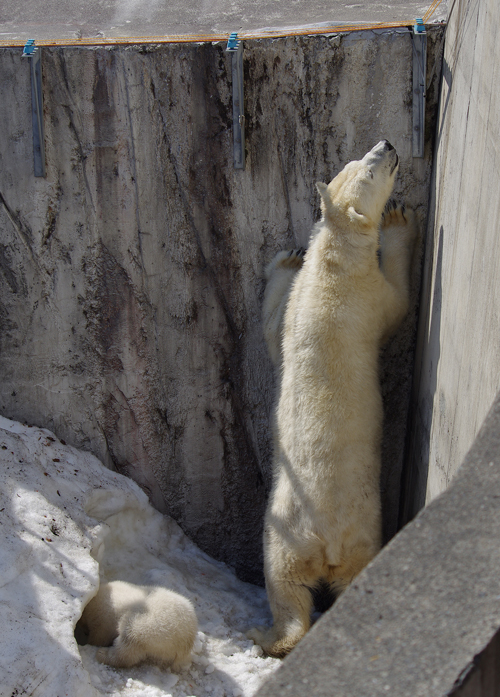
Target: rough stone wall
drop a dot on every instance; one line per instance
(458, 355)
(131, 276)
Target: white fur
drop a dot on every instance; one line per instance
(280, 274)
(139, 623)
(323, 521)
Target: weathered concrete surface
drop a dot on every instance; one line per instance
(131, 277)
(416, 618)
(71, 19)
(458, 351)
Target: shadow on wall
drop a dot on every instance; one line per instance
(457, 110)
(448, 70)
(414, 480)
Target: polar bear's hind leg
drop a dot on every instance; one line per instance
(289, 585)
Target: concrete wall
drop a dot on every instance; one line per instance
(458, 353)
(131, 276)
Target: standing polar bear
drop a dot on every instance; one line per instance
(134, 624)
(323, 521)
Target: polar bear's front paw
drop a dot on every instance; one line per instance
(398, 222)
(102, 654)
(395, 214)
(294, 258)
(288, 259)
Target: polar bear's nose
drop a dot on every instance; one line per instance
(387, 145)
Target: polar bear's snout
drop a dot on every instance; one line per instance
(392, 151)
(383, 152)
(382, 146)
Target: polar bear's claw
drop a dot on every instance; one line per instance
(396, 214)
(287, 259)
(294, 258)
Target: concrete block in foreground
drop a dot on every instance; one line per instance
(423, 618)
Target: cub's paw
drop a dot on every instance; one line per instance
(119, 656)
(102, 655)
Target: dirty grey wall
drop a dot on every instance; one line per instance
(131, 276)
(458, 355)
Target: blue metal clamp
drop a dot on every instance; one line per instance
(233, 41)
(29, 48)
(235, 47)
(419, 26)
(419, 42)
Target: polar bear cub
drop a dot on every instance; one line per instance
(323, 521)
(134, 624)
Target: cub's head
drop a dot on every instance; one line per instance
(362, 189)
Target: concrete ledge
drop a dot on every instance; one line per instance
(422, 619)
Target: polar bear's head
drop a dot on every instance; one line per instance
(361, 190)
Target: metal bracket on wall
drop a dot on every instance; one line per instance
(419, 42)
(235, 47)
(33, 53)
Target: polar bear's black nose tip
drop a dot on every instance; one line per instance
(388, 145)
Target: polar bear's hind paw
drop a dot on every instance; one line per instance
(271, 643)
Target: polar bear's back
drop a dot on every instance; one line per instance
(332, 332)
(140, 623)
(174, 622)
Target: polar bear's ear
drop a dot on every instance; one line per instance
(321, 187)
(326, 203)
(357, 217)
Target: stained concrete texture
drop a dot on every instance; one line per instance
(71, 20)
(422, 620)
(458, 352)
(131, 276)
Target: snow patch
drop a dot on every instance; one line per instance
(66, 520)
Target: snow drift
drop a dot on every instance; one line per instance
(66, 520)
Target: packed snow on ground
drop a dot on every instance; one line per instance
(66, 519)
